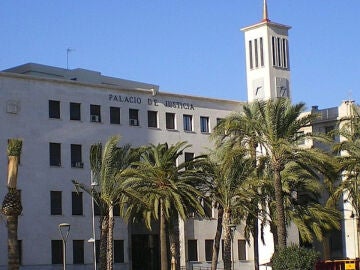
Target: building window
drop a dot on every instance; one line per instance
(192, 250)
(170, 120)
(97, 250)
(152, 119)
(56, 252)
(242, 250)
(55, 154)
(114, 115)
(75, 111)
(54, 109)
(78, 251)
(55, 203)
(261, 52)
(95, 113)
(77, 203)
(76, 158)
(188, 122)
(208, 249)
(273, 46)
(20, 251)
(118, 251)
(256, 53)
(133, 117)
(188, 156)
(250, 55)
(204, 124)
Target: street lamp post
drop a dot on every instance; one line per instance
(232, 231)
(64, 229)
(94, 183)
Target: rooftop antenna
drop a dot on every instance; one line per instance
(68, 50)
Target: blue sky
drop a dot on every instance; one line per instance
(193, 47)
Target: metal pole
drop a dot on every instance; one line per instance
(64, 229)
(64, 252)
(93, 230)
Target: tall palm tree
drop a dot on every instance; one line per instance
(108, 167)
(169, 188)
(348, 151)
(231, 169)
(11, 206)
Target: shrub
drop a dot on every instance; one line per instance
(294, 258)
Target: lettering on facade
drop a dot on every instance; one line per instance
(152, 102)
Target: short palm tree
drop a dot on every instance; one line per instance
(107, 168)
(231, 170)
(168, 186)
(11, 206)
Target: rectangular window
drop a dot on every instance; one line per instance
(192, 251)
(204, 124)
(170, 120)
(133, 117)
(56, 252)
(273, 46)
(242, 250)
(75, 111)
(188, 156)
(208, 249)
(256, 53)
(55, 203)
(95, 113)
(250, 55)
(97, 250)
(78, 251)
(77, 203)
(55, 154)
(261, 52)
(284, 49)
(114, 115)
(54, 109)
(20, 251)
(278, 45)
(152, 119)
(76, 157)
(118, 251)
(187, 122)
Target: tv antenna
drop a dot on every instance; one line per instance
(68, 50)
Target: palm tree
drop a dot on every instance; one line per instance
(11, 206)
(348, 151)
(107, 168)
(169, 188)
(231, 169)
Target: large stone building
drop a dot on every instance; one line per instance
(59, 113)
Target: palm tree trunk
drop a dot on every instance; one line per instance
(217, 239)
(255, 234)
(13, 248)
(273, 230)
(110, 257)
(280, 213)
(163, 249)
(174, 243)
(104, 227)
(227, 240)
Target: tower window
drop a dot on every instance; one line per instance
(250, 55)
(204, 124)
(256, 53)
(261, 52)
(273, 43)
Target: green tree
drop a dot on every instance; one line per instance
(170, 189)
(108, 167)
(11, 206)
(231, 169)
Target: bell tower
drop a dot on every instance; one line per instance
(267, 59)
